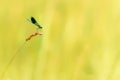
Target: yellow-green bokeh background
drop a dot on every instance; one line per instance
(81, 40)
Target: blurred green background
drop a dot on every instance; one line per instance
(81, 40)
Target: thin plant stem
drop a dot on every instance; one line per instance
(11, 60)
(18, 51)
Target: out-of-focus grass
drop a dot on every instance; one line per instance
(81, 40)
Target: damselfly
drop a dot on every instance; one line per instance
(35, 22)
